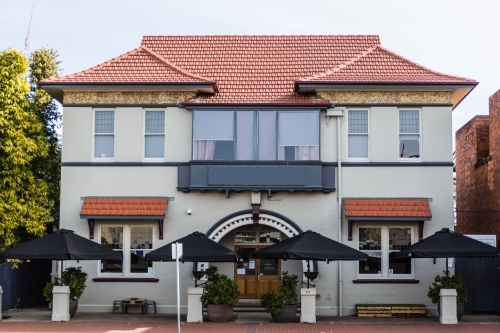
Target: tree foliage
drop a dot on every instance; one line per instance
(24, 194)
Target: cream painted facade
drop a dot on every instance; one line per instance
(83, 176)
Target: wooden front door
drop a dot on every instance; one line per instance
(255, 277)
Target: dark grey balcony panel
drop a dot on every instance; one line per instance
(254, 177)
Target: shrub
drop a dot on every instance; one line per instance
(448, 282)
(73, 277)
(274, 302)
(219, 289)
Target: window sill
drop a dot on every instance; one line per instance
(119, 279)
(409, 281)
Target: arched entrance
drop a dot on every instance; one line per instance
(253, 276)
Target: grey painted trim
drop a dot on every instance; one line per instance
(256, 107)
(382, 218)
(390, 281)
(120, 164)
(117, 217)
(397, 164)
(394, 105)
(308, 85)
(122, 105)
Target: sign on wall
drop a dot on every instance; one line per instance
(487, 239)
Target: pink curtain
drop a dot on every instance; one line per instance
(281, 153)
(204, 149)
(306, 153)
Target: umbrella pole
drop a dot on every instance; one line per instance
(446, 263)
(308, 274)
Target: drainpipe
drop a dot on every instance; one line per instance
(338, 114)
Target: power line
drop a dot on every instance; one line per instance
(27, 40)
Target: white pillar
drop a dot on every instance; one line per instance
(60, 303)
(308, 305)
(1, 294)
(448, 304)
(195, 309)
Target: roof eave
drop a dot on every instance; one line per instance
(194, 105)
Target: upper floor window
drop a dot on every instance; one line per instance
(104, 129)
(409, 133)
(379, 242)
(154, 134)
(256, 135)
(133, 241)
(357, 134)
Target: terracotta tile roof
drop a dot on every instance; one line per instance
(379, 65)
(258, 69)
(140, 65)
(120, 206)
(387, 208)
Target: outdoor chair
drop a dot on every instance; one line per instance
(150, 302)
(117, 304)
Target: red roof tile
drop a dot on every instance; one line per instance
(119, 206)
(137, 66)
(259, 69)
(389, 208)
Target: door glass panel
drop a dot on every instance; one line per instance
(247, 266)
(270, 237)
(112, 238)
(269, 266)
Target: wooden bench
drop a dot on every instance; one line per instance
(390, 310)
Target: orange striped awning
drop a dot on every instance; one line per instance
(124, 207)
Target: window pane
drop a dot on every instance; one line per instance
(399, 238)
(112, 237)
(104, 122)
(409, 121)
(358, 122)
(267, 135)
(154, 146)
(141, 238)
(244, 135)
(370, 239)
(373, 265)
(409, 146)
(213, 125)
(299, 129)
(104, 146)
(269, 266)
(248, 264)
(270, 237)
(358, 145)
(155, 122)
(245, 237)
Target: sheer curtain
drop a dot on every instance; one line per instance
(204, 149)
(306, 153)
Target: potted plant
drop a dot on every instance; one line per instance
(449, 282)
(282, 305)
(220, 293)
(73, 277)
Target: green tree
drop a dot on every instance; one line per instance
(24, 201)
(44, 64)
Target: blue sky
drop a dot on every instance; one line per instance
(451, 36)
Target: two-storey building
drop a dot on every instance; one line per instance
(250, 140)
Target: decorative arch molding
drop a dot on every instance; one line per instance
(244, 217)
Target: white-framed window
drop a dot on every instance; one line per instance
(409, 134)
(257, 237)
(358, 139)
(264, 135)
(133, 241)
(154, 134)
(104, 134)
(379, 241)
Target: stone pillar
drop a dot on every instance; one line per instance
(448, 304)
(195, 309)
(1, 294)
(308, 305)
(60, 303)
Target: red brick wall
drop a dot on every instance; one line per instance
(477, 157)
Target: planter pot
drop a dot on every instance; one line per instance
(460, 309)
(287, 315)
(73, 306)
(219, 313)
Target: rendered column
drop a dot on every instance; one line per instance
(1, 294)
(448, 304)
(195, 309)
(308, 305)
(60, 303)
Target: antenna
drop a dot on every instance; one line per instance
(27, 40)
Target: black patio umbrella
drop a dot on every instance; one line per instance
(195, 247)
(447, 244)
(310, 245)
(61, 245)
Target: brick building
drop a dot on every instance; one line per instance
(478, 173)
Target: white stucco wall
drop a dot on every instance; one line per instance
(315, 211)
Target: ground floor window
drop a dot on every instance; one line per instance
(133, 241)
(379, 241)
